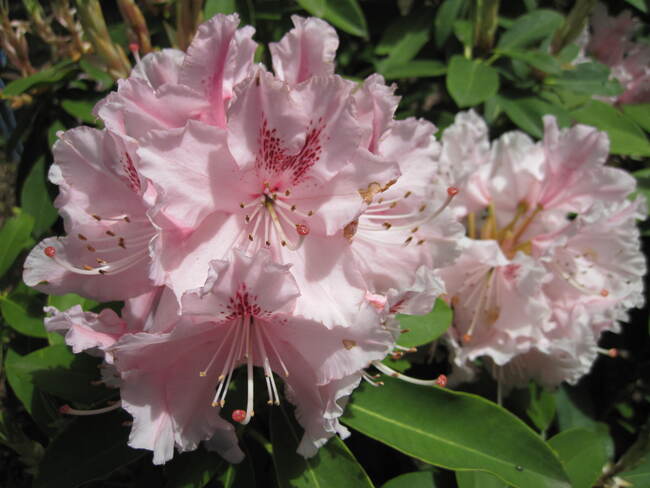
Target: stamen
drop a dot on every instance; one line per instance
(68, 410)
(391, 372)
(441, 381)
(612, 353)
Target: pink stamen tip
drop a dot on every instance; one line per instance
(613, 352)
(134, 47)
(604, 293)
(467, 338)
(302, 229)
(49, 251)
(238, 415)
(441, 381)
(64, 409)
(452, 191)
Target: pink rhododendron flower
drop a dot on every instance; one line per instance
(611, 43)
(248, 219)
(552, 254)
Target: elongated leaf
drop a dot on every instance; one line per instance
(423, 329)
(541, 407)
(419, 479)
(640, 113)
(35, 199)
(64, 302)
(344, 14)
(14, 237)
(404, 38)
(527, 113)
(20, 319)
(583, 454)
(56, 370)
(478, 479)
(418, 68)
(588, 79)
(91, 448)
(569, 415)
(213, 7)
(459, 431)
(625, 136)
(639, 476)
(639, 4)
(537, 59)
(193, 469)
(530, 28)
(447, 14)
(471, 82)
(334, 465)
(46, 76)
(80, 109)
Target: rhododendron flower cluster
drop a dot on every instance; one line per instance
(611, 43)
(248, 219)
(551, 256)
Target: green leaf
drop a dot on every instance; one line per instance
(418, 479)
(530, 28)
(640, 113)
(35, 199)
(639, 476)
(46, 76)
(96, 73)
(418, 68)
(52, 130)
(583, 454)
(240, 475)
(193, 469)
(14, 237)
(64, 302)
(478, 479)
(464, 32)
(56, 370)
(569, 414)
(625, 136)
(20, 320)
(588, 79)
(541, 407)
(213, 7)
(471, 82)
(80, 109)
(404, 38)
(537, 59)
(91, 448)
(344, 14)
(459, 431)
(640, 4)
(447, 14)
(334, 465)
(527, 113)
(425, 328)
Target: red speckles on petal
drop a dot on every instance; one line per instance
(272, 155)
(49, 251)
(131, 173)
(243, 303)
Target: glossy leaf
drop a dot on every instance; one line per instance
(471, 82)
(418, 479)
(639, 476)
(80, 109)
(446, 15)
(91, 448)
(418, 68)
(344, 14)
(423, 329)
(640, 113)
(14, 237)
(35, 199)
(459, 431)
(334, 465)
(625, 136)
(404, 38)
(527, 113)
(583, 454)
(537, 59)
(43, 77)
(530, 28)
(19, 318)
(588, 79)
(478, 479)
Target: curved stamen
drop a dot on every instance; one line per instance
(68, 410)
(409, 379)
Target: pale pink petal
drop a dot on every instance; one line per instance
(159, 68)
(375, 105)
(307, 50)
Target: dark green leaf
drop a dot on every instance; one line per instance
(91, 448)
(35, 199)
(46, 76)
(419, 479)
(423, 329)
(459, 431)
(80, 109)
(530, 28)
(418, 68)
(404, 38)
(588, 79)
(471, 82)
(14, 237)
(527, 113)
(193, 469)
(541, 407)
(334, 465)
(52, 130)
(344, 14)
(447, 14)
(56, 370)
(96, 73)
(583, 454)
(537, 59)
(625, 136)
(314, 7)
(464, 31)
(569, 414)
(639, 476)
(639, 4)
(20, 319)
(640, 113)
(478, 479)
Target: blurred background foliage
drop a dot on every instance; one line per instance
(510, 61)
